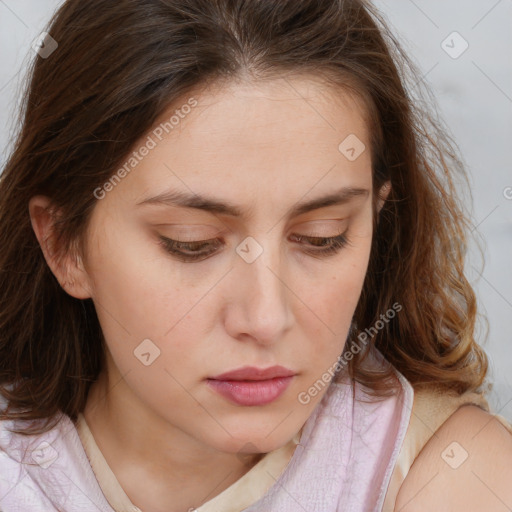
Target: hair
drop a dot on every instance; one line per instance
(117, 67)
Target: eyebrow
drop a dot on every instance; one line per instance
(209, 204)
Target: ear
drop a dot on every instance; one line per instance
(383, 195)
(67, 268)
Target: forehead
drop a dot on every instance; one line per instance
(271, 112)
(243, 141)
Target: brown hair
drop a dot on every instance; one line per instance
(118, 65)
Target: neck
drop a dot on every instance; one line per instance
(158, 465)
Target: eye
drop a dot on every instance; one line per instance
(199, 250)
(190, 251)
(329, 246)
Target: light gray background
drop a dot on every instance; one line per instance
(474, 94)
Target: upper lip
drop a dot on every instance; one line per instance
(253, 373)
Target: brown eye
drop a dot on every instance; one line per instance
(190, 251)
(330, 245)
(202, 249)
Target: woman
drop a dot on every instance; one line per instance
(233, 272)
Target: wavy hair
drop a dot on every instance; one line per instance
(117, 67)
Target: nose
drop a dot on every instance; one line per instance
(259, 300)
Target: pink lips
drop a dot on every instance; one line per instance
(252, 386)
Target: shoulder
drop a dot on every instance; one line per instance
(465, 465)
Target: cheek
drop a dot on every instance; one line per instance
(333, 300)
(140, 294)
(336, 284)
(130, 281)
(334, 305)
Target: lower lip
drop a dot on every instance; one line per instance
(244, 392)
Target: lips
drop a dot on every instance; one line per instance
(251, 386)
(252, 373)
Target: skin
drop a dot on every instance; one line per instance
(171, 441)
(479, 479)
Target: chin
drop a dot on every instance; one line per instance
(249, 442)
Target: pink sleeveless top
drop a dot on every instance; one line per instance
(345, 459)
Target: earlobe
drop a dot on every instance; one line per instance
(67, 268)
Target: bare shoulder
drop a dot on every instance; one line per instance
(465, 466)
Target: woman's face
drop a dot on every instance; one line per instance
(248, 291)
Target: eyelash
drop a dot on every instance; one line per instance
(172, 246)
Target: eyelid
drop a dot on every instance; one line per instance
(187, 228)
(305, 225)
(333, 247)
(304, 230)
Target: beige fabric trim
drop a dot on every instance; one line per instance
(108, 482)
(255, 483)
(430, 410)
(242, 493)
